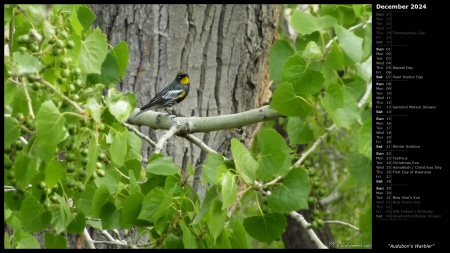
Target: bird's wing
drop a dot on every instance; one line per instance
(172, 94)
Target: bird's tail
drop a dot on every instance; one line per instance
(137, 114)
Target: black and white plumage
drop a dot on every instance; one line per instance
(171, 95)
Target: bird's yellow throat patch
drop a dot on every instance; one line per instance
(184, 80)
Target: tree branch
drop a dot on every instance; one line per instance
(199, 143)
(143, 136)
(27, 96)
(342, 223)
(88, 239)
(300, 219)
(172, 131)
(157, 120)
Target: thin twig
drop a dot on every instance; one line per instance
(365, 96)
(199, 143)
(350, 29)
(342, 223)
(73, 103)
(120, 172)
(143, 136)
(88, 239)
(23, 140)
(111, 243)
(27, 96)
(164, 138)
(300, 219)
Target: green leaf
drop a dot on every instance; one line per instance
(17, 225)
(6, 241)
(358, 9)
(134, 186)
(365, 224)
(54, 241)
(61, 215)
(292, 193)
(298, 131)
(211, 195)
(84, 204)
(33, 215)
(360, 168)
(7, 13)
(92, 159)
(273, 159)
(110, 180)
(131, 209)
(11, 132)
(93, 52)
(306, 23)
(49, 130)
(25, 63)
(280, 51)
(245, 164)
(152, 202)
(367, 44)
(75, 23)
(238, 238)
(109, 73)
(86, 17)
(344, 13)
(20, 103)
(173, 242)
(265, 228)
(131, 166)
(94, 109)
(162, 166)
(335, 58)
(304, 80)
(229, 190)
(365, 139)
(356, 88)
(53, 173)
(24, 169)
(135, 144)
(9, 91)
(111, 216)
(118, 148)
(216, 224)
(364, 69)
(209, 170)
(222, 241)
(74, 53)
(189, 240)
(312, 51)
(101, 197)
(120, 54)
(165, 205)
(119, 104)
(341, 105)
(27, 241)
(77, 225)
(286, 101)
(350, 43)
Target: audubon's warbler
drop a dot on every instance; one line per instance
(172, 94)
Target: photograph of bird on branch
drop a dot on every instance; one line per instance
(182, 126)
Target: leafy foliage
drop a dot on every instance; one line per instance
(69, 160)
